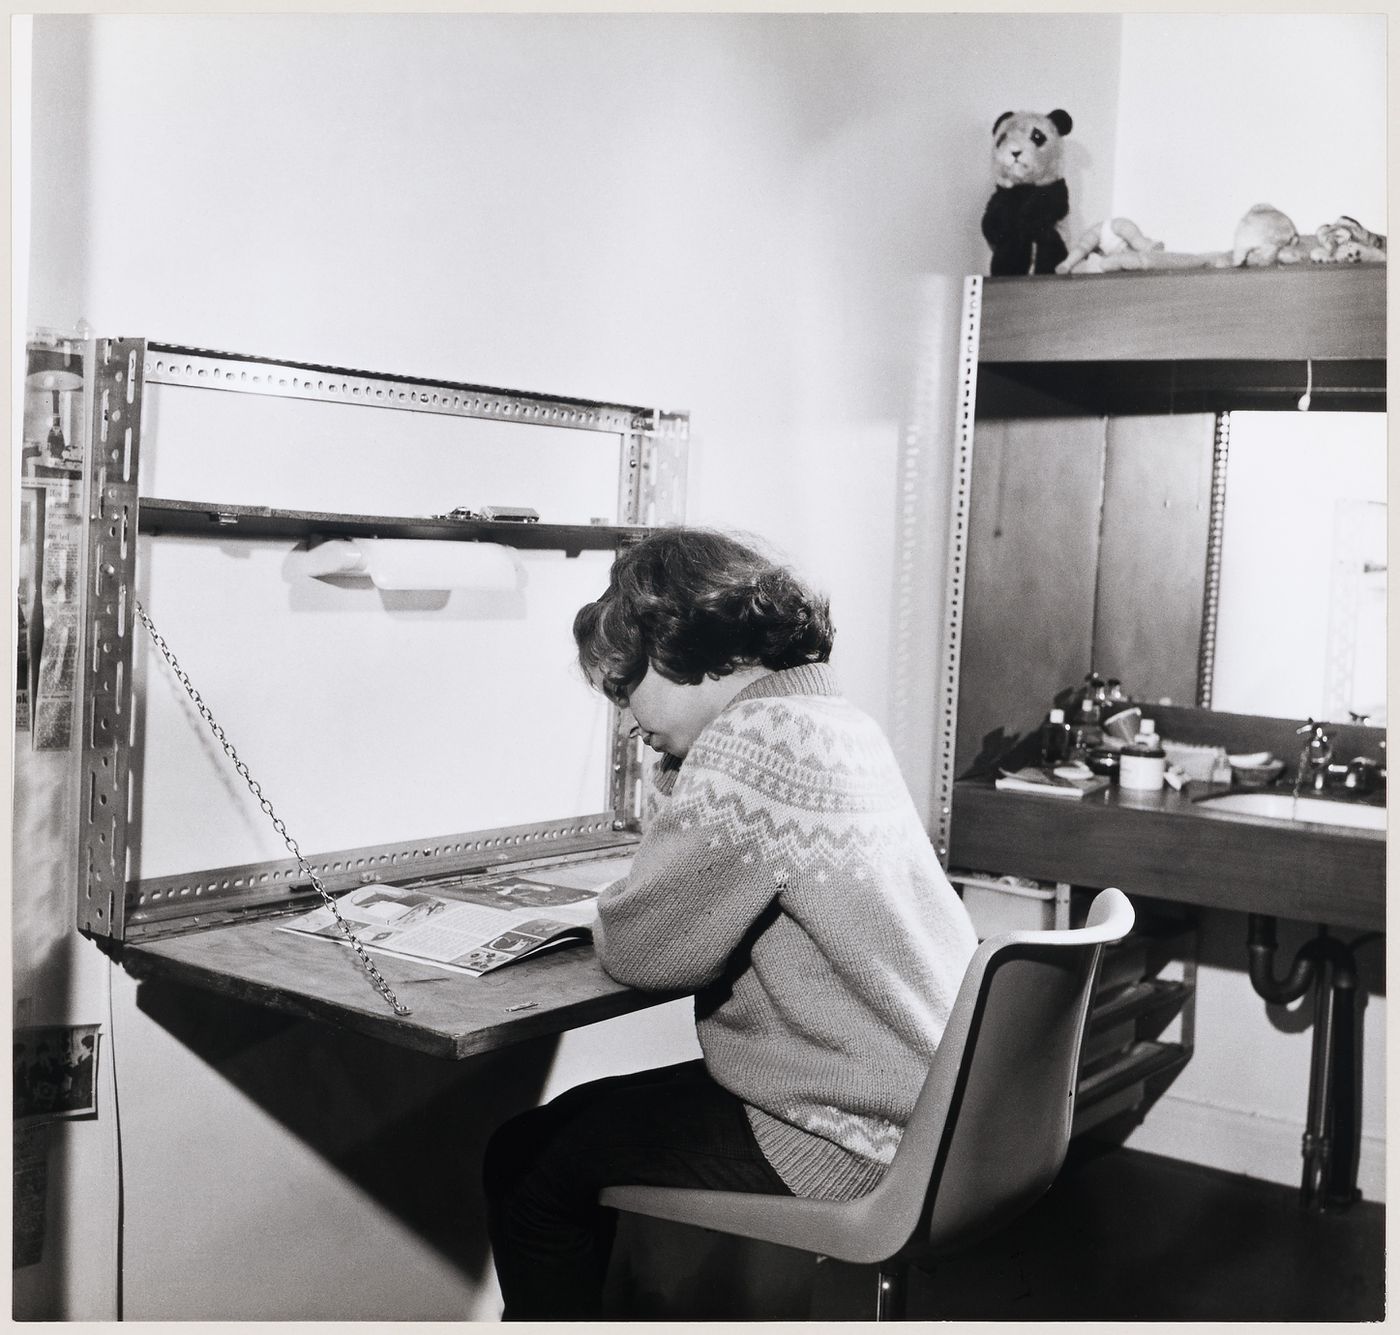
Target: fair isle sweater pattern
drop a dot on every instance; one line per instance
(787, 878)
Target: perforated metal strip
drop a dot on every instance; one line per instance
(110, 484)
(665, 459)
(203, 368)
(651, 491)
(920, 508)
(160, 904)
(947, 719)
(1215, 537)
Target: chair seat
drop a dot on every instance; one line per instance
(856, 1231)
(988, 1132)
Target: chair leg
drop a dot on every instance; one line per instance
(889, 1294)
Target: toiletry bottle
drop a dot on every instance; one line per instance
(57, 446)
(1143, 765)
(1087, 718)
(1055, 736)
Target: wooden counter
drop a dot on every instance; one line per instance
(1167, 846)
(454, 1015)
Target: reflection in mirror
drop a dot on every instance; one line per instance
(1301, 629)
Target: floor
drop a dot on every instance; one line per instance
(1121, 1236)
(1126, 1236)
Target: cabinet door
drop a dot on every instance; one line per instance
(1152, 554)
(1032, 556)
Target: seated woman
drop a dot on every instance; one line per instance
(785, 877)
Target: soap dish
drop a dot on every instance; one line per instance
(1195, 759)
(1123, 726)
(1255, 770)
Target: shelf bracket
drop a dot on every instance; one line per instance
(109, 573)
(946, 681)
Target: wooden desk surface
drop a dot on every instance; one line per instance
(454, 1015)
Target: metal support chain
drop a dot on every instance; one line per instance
(277, 824)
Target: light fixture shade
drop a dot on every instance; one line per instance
(53, 368)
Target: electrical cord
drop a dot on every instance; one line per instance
(117, 1146)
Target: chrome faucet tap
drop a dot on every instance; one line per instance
(1318, 771)
(1365, 774)
(1314, 759)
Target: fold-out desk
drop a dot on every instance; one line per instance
(454, 1015)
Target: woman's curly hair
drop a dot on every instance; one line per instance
(693, 603)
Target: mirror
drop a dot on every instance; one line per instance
(1302, 604)
(1091, 544)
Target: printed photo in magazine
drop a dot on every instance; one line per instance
(471, 924)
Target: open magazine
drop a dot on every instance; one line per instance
(472, 924)
(1051, 783)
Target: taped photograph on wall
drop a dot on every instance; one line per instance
(31, 543)
(55, 1072)
(55, 435)
(51, 534)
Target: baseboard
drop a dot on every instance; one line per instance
(1237, 1141)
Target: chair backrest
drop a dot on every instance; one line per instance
(991, 1126)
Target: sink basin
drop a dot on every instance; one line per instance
(1283, 806)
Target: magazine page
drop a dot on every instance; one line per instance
(471, 924)
(1052, 783)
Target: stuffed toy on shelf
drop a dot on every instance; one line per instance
(1031, 198)
(1266, 236)
(1115, 243)
(1347, 242)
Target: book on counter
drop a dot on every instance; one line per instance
(1051, 783)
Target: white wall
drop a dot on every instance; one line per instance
(1283, 109)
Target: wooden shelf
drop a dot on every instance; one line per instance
(1188, 341)
(1142, 1061)
(1323, 312)
(211, 519)
(1135, 1000)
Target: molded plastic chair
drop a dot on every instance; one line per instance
(988, 1133)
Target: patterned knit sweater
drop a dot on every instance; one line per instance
(785, 875)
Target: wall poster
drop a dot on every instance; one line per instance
(31, 542)
(51, 537)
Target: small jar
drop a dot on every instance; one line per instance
(1143, 765)
(1103, 761)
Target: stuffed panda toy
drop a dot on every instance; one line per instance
(1031, 196)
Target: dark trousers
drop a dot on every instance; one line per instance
(673, 1127)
